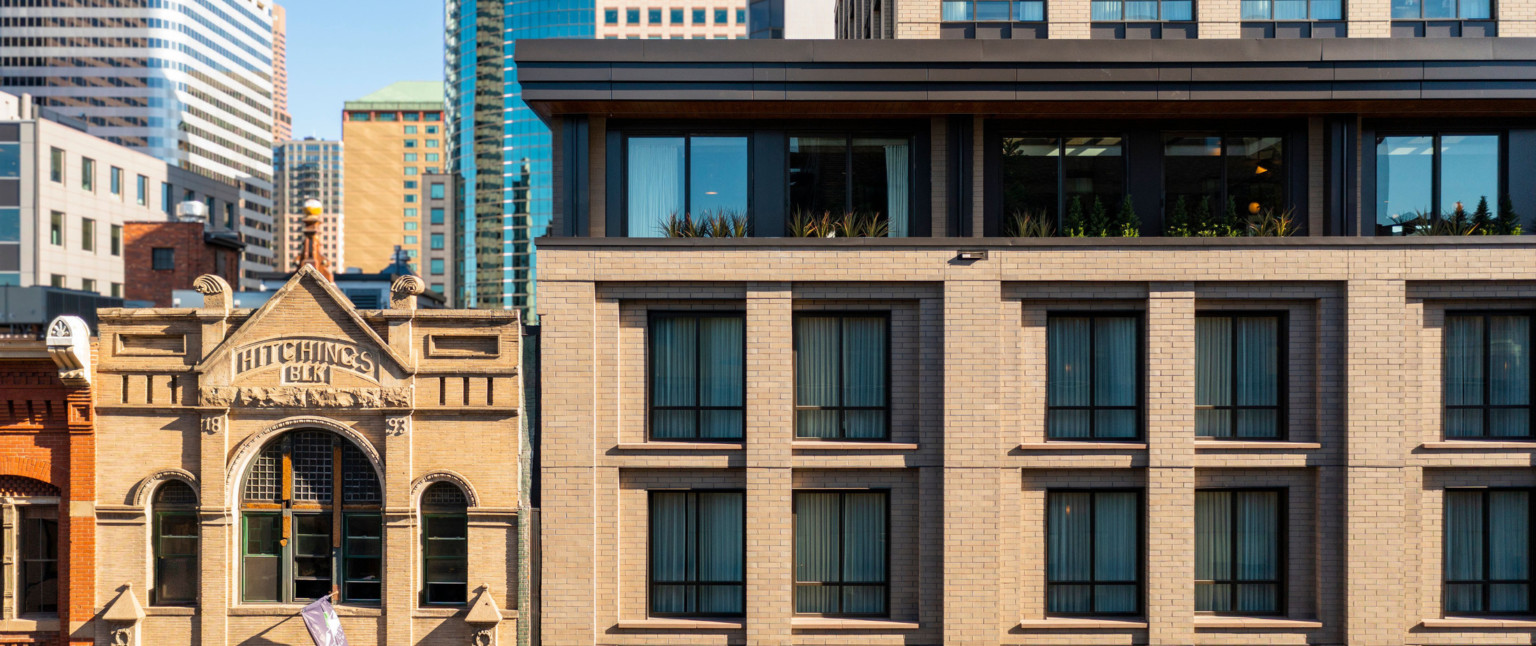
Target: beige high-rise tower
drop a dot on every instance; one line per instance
(282, 119)
(392, 137)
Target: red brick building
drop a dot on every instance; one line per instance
(47, 483)
(159, 257)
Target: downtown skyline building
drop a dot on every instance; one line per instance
(310, 169)
(189, 83)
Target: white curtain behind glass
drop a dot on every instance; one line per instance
(655, 183)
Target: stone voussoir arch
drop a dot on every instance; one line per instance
(144, 491)
(419, 487)
(28, 468)
(252, 445)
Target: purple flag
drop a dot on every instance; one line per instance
(323, 624)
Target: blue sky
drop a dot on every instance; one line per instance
(340, 50)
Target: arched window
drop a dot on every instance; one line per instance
(298, 541)
(175, 526)
(445, 545)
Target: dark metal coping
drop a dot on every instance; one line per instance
(827, 244)
(581, 73)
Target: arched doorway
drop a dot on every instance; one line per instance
(310, 522)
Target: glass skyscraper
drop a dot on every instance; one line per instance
(500, 151)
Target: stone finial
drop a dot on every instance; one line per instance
(402, 294)
(69, 343)
(215, 291)
(484, 615)
(123, 617)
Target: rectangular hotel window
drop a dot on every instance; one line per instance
(722, 17)
(1142, 10)
(677, 176)
(1238, 551)
(437, 216)
(1442, 9)
(698, 553)
(1044, 176)
(166, 201)
(87, 284)
(698, 17)
(861, 175)
(88, 174)
(357, 116)
(141, 196)
(653, 16)
(56, 165)
(1488, 375)
(1238, 376)
(56, 229)
(1234, 175)
(162, 258)
(698, 376)
(675, 17)
(632, 16)
(437, 241)
(38, 550)
(1290, 10)
(610, 16)
(437, 267)
(1093, 552)
(437, 191)
(115, 181)
(117, 239)
(1487, 551)
(842, 376)
(1094, 377)
(993, 10)
(87, 234)
(1417, 172)
(841, 558)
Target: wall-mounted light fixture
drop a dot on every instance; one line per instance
(972, 254)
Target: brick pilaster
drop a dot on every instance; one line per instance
(1170, 389)
(770, 432)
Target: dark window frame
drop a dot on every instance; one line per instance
(687, 137)
(1045, 13)
(1286, 142)
(159, 261)
(1436, 189)
(693, 584)
(1343, 15)
(842, 549)
(1141, 550)
(1141, 376)
(1493, 14)
(1282, 555)
(1487, 408)
(1002, 136)
(848, 183)
(430, 511)
(163, 511)
(1282, 378)
(841, 410)
(650, 374)
(1486, 583)
(36, 527)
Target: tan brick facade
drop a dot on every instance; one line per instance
(1363, 466)
(427, 396)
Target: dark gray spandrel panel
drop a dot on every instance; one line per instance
(1106, 31)
(981, 73)
(895, 73)
(682, 92)
(854, 92)
(1442, 29)
(1293, 30)
(971, 92)
(1180, 30)
(992, 30)
(1283, 72)
(1460, 71)
(957, 30)
(563, 72)
(1332, 29)
(10, 132)
(1142, 31)
(10, 257)
(1257, 30)
(1260, 91)
(10, 192)
(1377, 90)
(1087, 91)
(1085, 74)
(1030, 31)
(701, 72)
(1479, 29)
(1409, 49)
(1378, 71)
(1478, 90)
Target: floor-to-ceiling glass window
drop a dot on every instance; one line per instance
(1423, 178)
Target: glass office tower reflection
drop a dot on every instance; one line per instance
(501, 152)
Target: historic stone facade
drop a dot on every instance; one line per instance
(307, 448)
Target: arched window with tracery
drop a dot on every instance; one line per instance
(298, 541)
(176, 531)
(445, 545)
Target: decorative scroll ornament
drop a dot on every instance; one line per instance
(69, 344)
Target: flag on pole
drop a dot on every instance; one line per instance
(323, 624)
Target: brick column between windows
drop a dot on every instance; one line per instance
(770, 480)
(1170, 392)
(79, 573)
(400, 536)
(973, 471)
(1380, 491)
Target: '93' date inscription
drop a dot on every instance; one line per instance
(307, 361)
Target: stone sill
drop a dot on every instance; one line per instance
(1478, 445)
(837, 623)
(1482, 623)
(1083, 623)
(292, 610)
(29, 625)
(681, 446)
(1244, 623)
(1225, 445)
(170, 611)
(447, 612)
(1068, 445)
(818, 445)
(663, 623)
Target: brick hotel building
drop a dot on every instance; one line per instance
(940, 427)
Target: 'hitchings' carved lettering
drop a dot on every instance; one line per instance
(307, 361)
